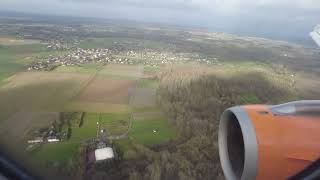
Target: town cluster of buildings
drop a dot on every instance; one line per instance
(49, 136)
(157, 57)
(75, 58)
(80, 56)
(57, 46)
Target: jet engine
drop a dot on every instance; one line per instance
(271, 142)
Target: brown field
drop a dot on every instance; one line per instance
(143, 97)
(147, 115)
(33, 78)
(18, 125)
(107, 90)
(122, 70)
(40, 91)
(96, 107)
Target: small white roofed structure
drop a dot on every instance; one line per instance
(53, 140)
(36, 140)
(103, 154)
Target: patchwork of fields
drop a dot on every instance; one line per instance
(119, 97)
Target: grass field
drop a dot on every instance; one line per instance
(13, 58)
(250, 99)
(151, 69)
(115, 124)
(141, 134)
(148, 83)
(88, 129)
(60, 152)
(142, 131)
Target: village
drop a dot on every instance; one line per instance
(79, 56)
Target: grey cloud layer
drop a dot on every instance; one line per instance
(281, 18)
(224, 5)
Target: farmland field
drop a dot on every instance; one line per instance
(151, 131)
(14, 57)
(46, 91)
(104, 97)
(143, 97)
(107, 90)
(51, 153)
(86, 69)
(151, 128)
(96, 107)
(122, 71)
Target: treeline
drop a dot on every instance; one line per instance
(193, 102)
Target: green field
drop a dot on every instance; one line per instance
(148, 83)
(142, 131)
(115, 124)
(88, 130)
(151, 69)
(14, 58)
(250, 99)
(141, 136)
(61, 152)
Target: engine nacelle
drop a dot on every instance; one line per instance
(269, 142)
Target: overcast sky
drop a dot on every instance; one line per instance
(257, 17)
(158, 9)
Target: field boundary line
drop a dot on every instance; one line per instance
(86, 84)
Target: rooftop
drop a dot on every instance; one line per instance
(104, 154)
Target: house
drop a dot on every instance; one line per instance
(52, 139)
(101, 153)
(36, 140)
(104, 154)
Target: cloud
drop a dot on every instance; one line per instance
(225, 5)
(280, 19)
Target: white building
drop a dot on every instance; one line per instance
(104, 154)
(36, 140)
(53, 139)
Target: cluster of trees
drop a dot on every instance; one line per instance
(193, 104)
